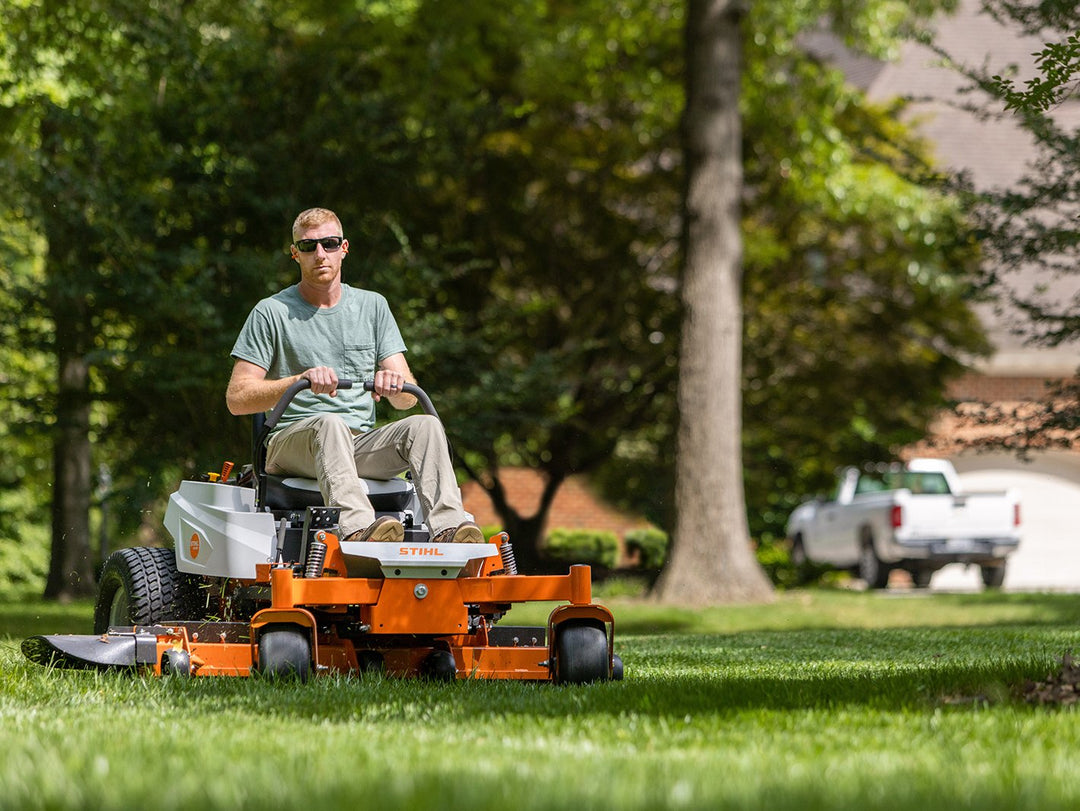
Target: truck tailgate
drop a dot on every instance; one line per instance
(972, 516)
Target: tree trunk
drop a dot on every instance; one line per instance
(526, 531)
(71, 570)
(712, 560)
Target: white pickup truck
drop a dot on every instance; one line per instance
(914, 517)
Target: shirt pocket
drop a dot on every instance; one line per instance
(359, 361)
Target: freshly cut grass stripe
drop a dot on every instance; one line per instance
(820, 701)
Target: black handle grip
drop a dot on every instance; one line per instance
(415, 391)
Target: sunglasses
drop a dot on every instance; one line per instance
(330, 244)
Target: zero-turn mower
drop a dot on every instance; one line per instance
(260, 583)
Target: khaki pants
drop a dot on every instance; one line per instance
(325, 448)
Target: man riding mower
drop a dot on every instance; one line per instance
(259, 582)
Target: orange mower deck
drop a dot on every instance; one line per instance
(405, 627)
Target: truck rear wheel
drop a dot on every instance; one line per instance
(920, 578)
(141, 586)
(993, 577)
(870, 568)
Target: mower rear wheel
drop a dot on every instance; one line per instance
(285, 652)
(141, 586)
(581, 652)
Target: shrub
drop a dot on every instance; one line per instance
(583, 546)
(775, 559)
(24, 547)
(651, 545)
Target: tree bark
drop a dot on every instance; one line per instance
(524, 531)
(71, 569)
(712, 560)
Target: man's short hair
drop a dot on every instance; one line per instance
(314, 217)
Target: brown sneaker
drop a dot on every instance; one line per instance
(385, 529)
(465, 532)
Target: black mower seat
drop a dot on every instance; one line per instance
(295, 493)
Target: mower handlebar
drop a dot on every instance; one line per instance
(415, 391)
(286, 398)
(369, 385)
(263, 426)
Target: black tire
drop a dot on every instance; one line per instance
(581, 652)
(439, 665)
(920, 578)
(993, 577)
(870, 568)
(141, 586)
(285, 652)
(176, 663)
(798, 554)
(800, 562)
(617, 668)
(370, 661)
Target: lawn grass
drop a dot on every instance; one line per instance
(820, 700)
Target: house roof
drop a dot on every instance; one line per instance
(994, 151)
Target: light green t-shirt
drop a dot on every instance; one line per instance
(286, 336)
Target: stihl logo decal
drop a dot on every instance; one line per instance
(419, 550)
(194, 545)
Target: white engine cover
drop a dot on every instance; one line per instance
(217, 531)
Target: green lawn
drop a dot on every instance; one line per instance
(821, 700)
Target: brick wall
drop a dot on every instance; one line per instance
(986, 389)
(957, 430)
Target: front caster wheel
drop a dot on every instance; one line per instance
(581, 653)
(285, 652)
(176, 663)
(439, 665)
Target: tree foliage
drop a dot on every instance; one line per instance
(1033, 225)
(859, 268)
(860, 271)
(508, 174)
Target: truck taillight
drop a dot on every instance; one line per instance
(897, 516)
(1016, 514)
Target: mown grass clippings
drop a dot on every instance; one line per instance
(1061, 688)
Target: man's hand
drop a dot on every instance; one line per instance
(388, 383)
(250, 392)
(324, 380)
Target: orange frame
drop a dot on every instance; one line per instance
(393, 607)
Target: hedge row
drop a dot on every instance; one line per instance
(602, 548)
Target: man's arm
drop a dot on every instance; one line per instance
(249, 392)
